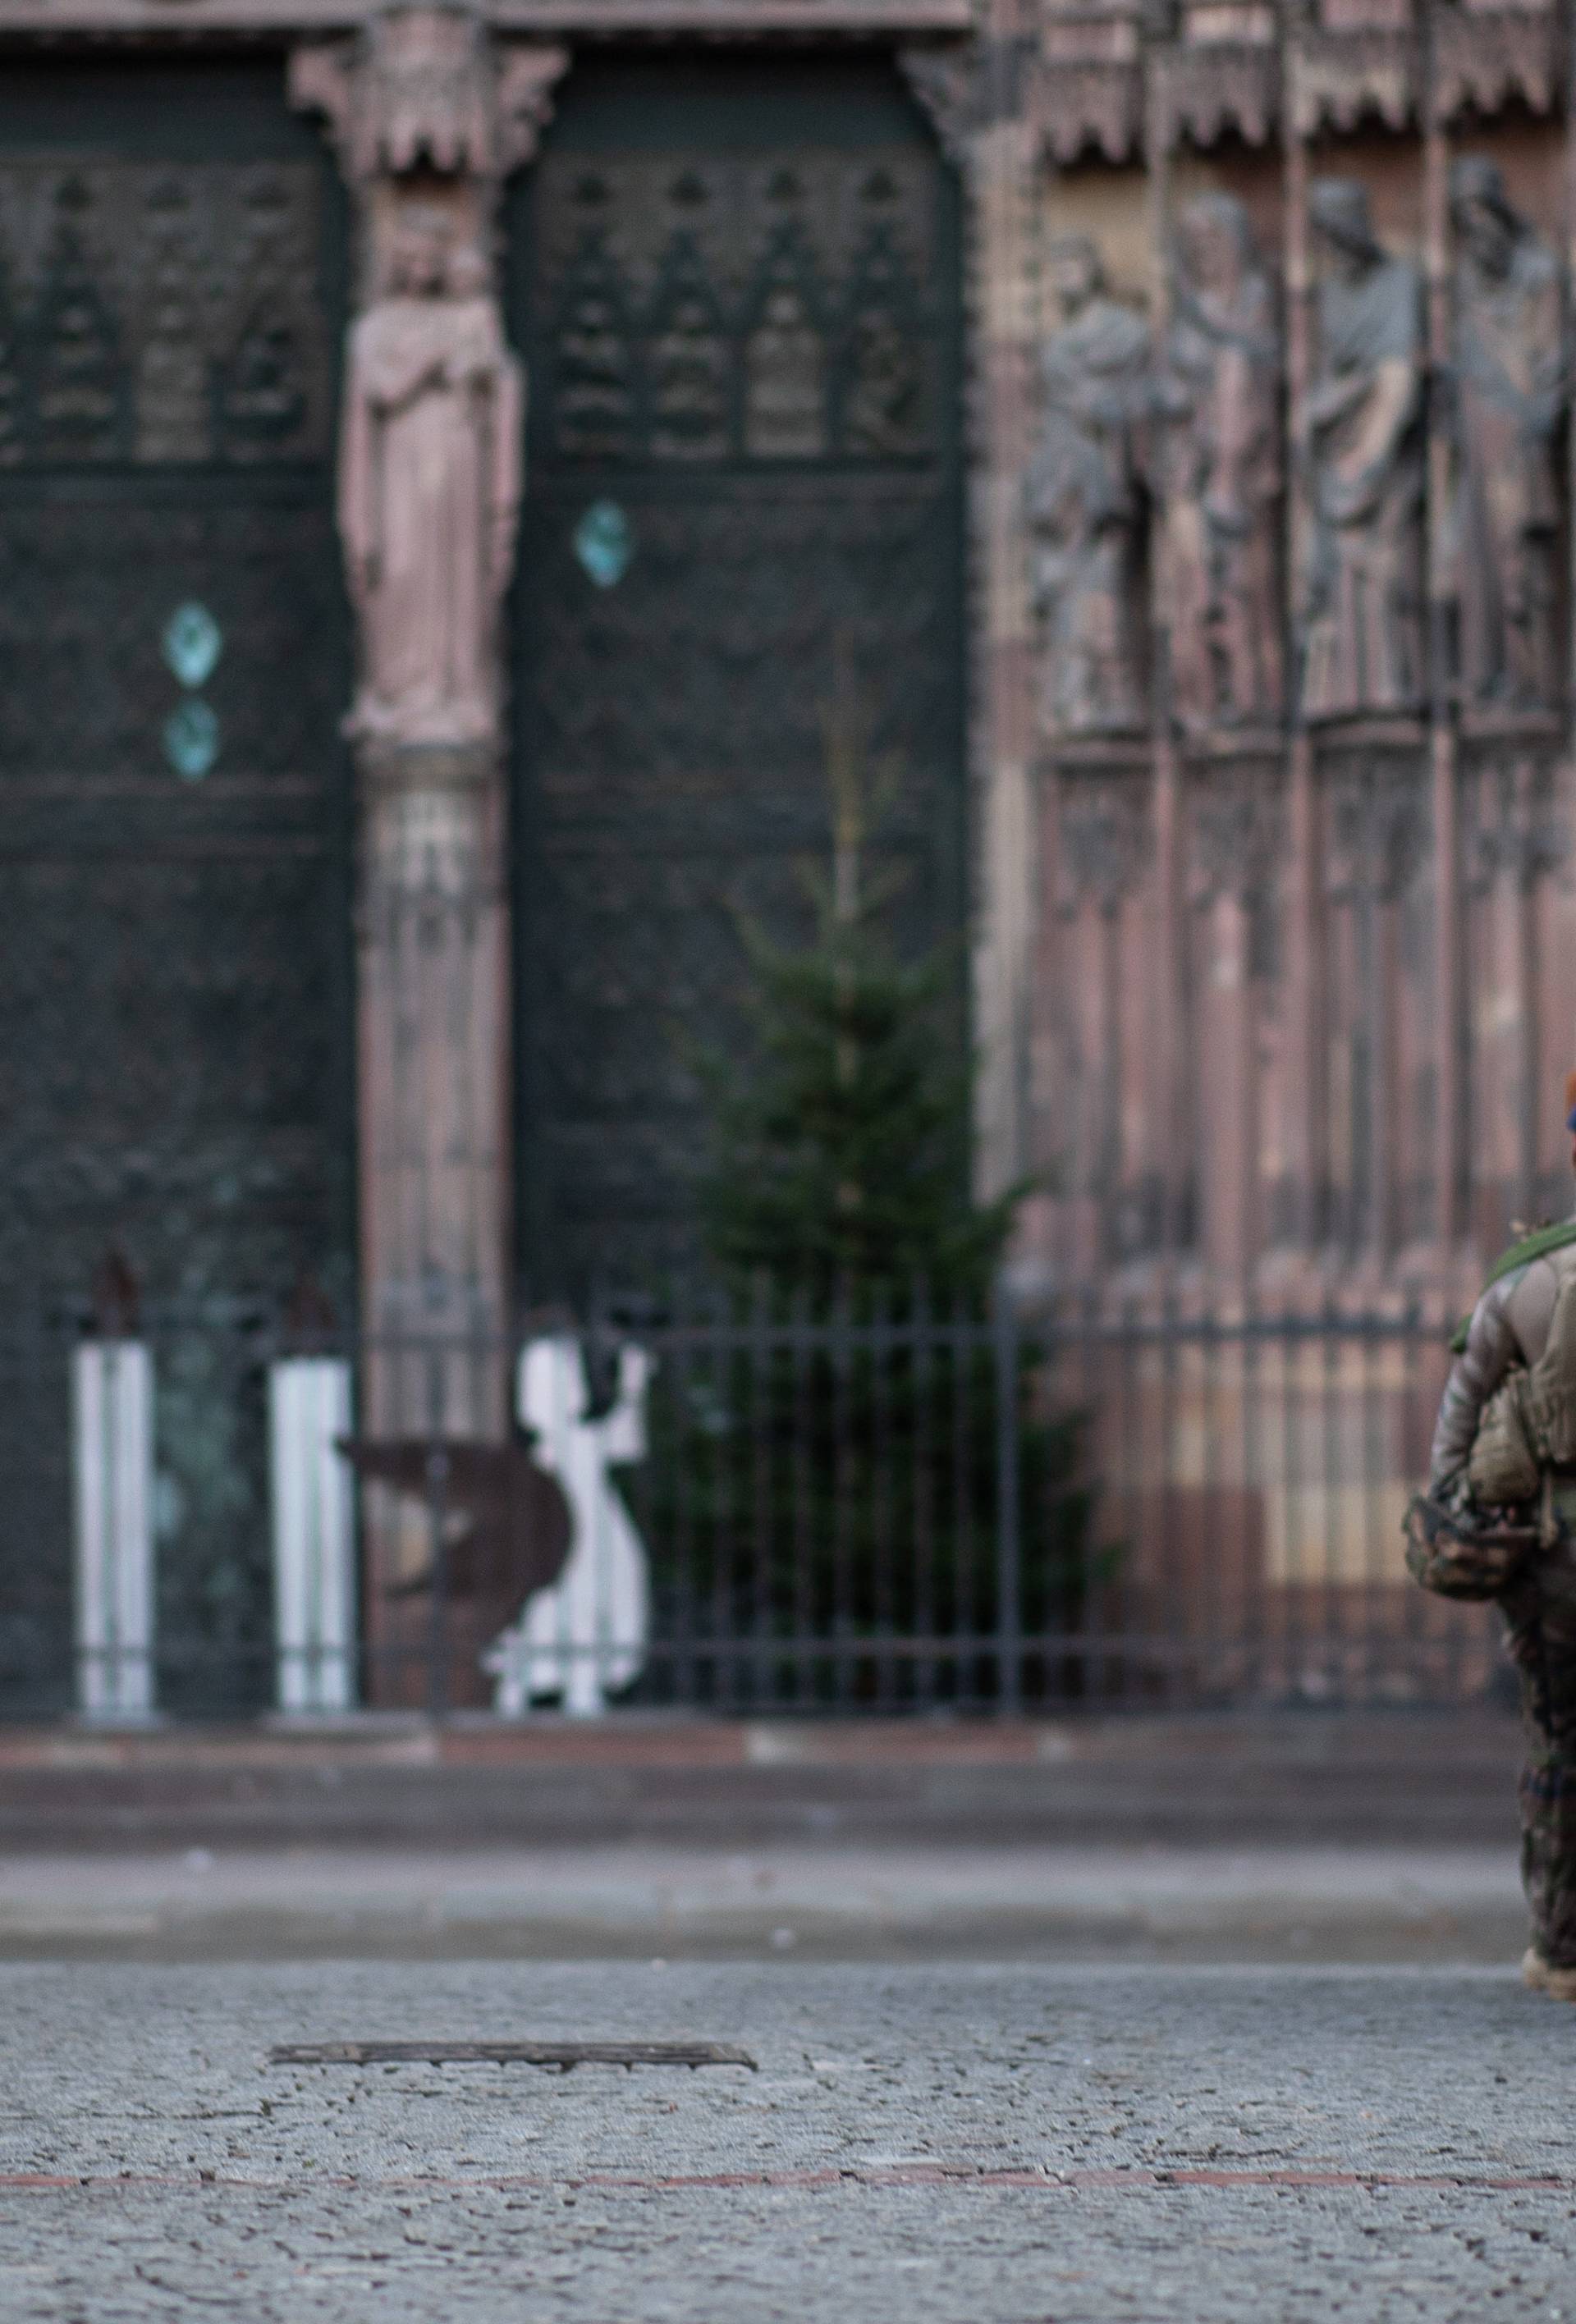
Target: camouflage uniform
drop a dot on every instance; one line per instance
(1510, 1325)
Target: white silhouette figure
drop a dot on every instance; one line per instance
(587, 1635)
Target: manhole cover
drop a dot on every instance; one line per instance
(564, 2055)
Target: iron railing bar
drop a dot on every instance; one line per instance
(762, 1359)
(1010, 1565)
(923, 1600)
(845, 1339)
(964, 1607)
(726, 1344)
(801, 1668)
(885, 1341)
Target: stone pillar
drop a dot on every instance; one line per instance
(432, 941)
(968, 90)
(429, 114)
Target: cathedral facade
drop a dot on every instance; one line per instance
(1280, 642)
(445, 451)
(451, 456)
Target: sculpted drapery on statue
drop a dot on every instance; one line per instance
(1364, 418)
(1085, 503)
(430, 488)
(1218, 473)
(1182, 439)
(1509, 392)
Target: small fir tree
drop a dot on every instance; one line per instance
(842, 1157)
(846, 1487)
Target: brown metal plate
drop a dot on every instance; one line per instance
(564, 2055)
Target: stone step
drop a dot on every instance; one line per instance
(1409, 1779)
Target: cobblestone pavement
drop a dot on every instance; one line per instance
(951, 2144)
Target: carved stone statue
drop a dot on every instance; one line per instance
(1365, 417)
(1218, 473)
(1510, 380)
(429, 489)
(1084, 501)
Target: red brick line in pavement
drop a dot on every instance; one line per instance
(874, 2176)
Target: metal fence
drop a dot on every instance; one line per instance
(736, 1506)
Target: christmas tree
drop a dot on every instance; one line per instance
(831, 1468)
(842, 1157)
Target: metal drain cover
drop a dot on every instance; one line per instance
(564, 2055)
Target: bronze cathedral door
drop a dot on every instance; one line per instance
(175, 867)
(736, 286)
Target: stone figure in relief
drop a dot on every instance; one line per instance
(784, 394)
(1218, 473)
(585, 1636)
(1085, 500)
(429, 491)
(1364, 641)
(1510, 381)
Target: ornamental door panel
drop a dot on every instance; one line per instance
(736, 288)
(175, 917)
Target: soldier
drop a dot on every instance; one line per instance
(1500, 1522)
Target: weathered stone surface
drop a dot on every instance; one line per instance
(998, 2141)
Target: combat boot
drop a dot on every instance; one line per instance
(1543, 1976)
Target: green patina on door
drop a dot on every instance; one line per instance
(736, 286)
(174, 857)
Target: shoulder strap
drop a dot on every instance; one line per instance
(1538, 1245)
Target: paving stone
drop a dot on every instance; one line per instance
(954, 2143)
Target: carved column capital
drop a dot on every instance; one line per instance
(429, 87)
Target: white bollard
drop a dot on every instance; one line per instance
(112, 1439)
(314, 1534)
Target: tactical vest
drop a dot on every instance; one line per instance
(1529, 1426)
